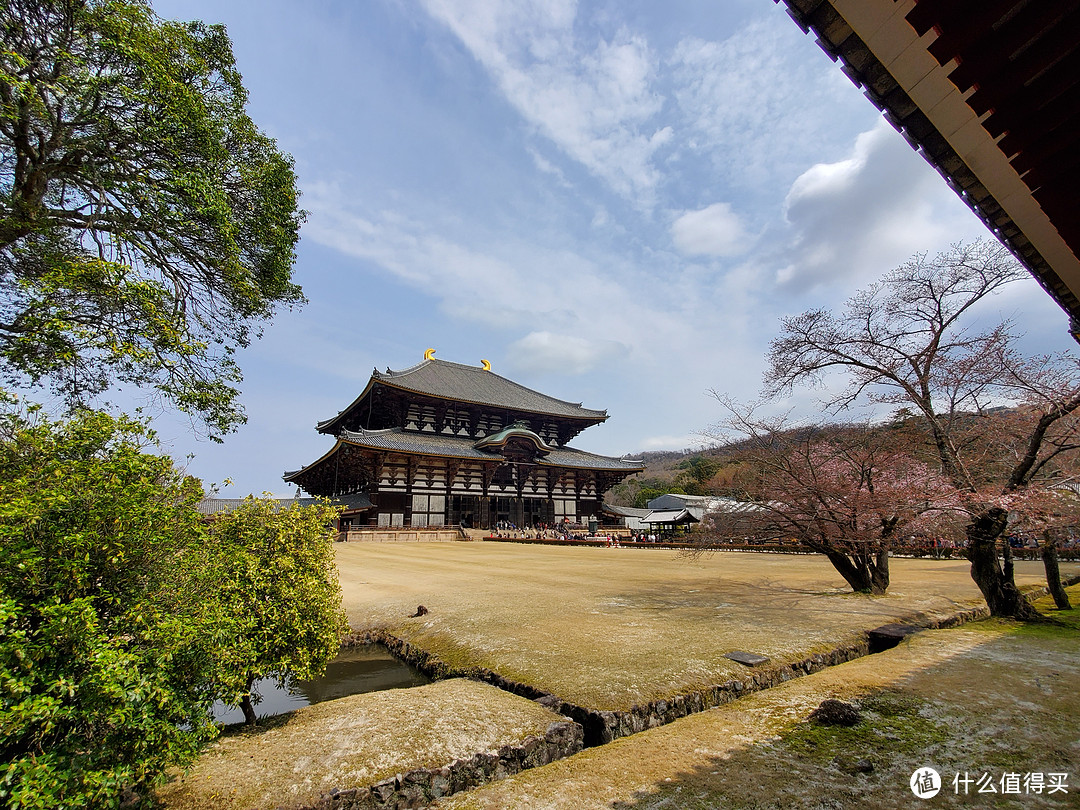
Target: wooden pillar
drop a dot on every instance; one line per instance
(451, 473)
(410, 477)
(374, 471)
(487, 473)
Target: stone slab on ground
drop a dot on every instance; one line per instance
(610, 628)
(364, 740)
(747, 659)
(992, 697)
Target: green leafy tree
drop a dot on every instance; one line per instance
(123, 615)
(698, 470)
(147, 227)
(105, 633)
(278, 585)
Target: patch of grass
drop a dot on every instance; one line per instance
(1060, 624)
(810, 765)
(893, 723)
(1063, 624)
(611, 628)
(1067, 619)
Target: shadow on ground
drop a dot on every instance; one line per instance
(1001, 717)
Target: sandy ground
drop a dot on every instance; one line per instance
(607, 628)
(983, 701)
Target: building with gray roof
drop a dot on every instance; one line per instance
(444, 443)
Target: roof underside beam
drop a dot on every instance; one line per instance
(988, 91)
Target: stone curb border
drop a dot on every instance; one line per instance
(602, 727)
(421, 787)
(586, 727)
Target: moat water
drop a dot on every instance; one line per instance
(368, 668)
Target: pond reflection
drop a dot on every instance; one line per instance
(368, 668)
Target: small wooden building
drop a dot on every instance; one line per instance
(448, 444)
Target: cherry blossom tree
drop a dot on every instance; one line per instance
(848, 492)
(906, 341)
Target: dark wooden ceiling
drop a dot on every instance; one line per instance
(1022, 62)
(1016, 66)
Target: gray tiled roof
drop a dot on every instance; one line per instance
(431, 444)
(670, 516)
(428, 444)
(463, 383)
(469, 385)
(626, 511)
(569, 457)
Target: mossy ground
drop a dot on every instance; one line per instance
(992, 697)
(608, 628)
(353, 742)
(892, 725)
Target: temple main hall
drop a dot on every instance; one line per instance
(443, 443)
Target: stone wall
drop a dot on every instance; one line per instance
(601, 727)
(406, 535)
(422, 786)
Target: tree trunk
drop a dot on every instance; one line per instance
(1053, 575)
(857, 576)
(997, 586)
(246, 706)
(879, 573)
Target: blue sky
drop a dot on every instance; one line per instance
(613, 202)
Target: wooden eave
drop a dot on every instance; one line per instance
(334, 424)
(476, 455)
(988, 92)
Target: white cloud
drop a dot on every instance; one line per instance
(547, 167)
(712, 231)
(557, 311)
(594, 103)
(753, 104)
(546, 352)
(856, 218)
(509, 282)
(679, 442)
